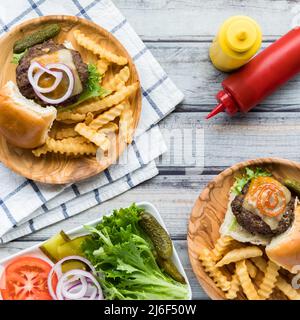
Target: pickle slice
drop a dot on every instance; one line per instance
(71, 248)
(73, 265)
(50, 247)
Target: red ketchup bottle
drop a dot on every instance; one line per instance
(268, 70)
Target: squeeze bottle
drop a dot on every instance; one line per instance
(236, 43)
(262, 75)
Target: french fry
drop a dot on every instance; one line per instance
(107, 116)
(70, 116)
(240, 254)
(221, 246)
(209, 266)
(64, 133)
(98, 139)
(102, 66)
(94, 47)
(126, 124)
(118, 80)
(108, 101)
(261, 263)
(108, 128)
(252, 270)
(269, 280)
(67, 147)
(281, 283)
(89, 118)
(245, 281)
(40, 151)
(234, 287)
(287, 289)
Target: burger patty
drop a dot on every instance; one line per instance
(254, 223)
(39, 50)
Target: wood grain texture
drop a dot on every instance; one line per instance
(199, 20)
(53, 168)
(210, 208)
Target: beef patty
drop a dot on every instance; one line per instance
(39, 50)
(254, 223)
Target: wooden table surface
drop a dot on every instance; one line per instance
(179, 32)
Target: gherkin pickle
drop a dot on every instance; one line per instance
(160, 238)
(293, 185)
(169, 268)
(71, 248)
(50, 247)
(37, 37)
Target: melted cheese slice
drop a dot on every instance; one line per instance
(63, 56)
(266, 194)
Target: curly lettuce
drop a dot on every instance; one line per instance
(123, 256)
(249, 174)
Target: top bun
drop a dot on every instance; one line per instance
(23, 122)
(284, 249)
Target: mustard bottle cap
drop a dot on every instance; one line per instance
(240, 37)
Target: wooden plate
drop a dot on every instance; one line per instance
(210, 208)
(54, 168)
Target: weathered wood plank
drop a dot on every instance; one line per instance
(230, 140)
(189, 67)
(181, 247)
(174, 197)
(200, 20)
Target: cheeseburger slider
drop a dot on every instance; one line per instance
(263, 211)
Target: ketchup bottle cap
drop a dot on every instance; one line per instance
(226, 103)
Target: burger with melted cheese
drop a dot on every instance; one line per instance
(265, 212)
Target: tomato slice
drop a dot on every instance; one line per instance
(26, 279)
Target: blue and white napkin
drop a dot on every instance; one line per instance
(27, 206)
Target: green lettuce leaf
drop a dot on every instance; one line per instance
(249, 174)
(93, 88)
(17, 57)
(123, 256)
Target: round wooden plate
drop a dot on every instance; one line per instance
(210, 208)
(54, 168)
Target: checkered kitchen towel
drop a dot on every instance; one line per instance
(27, 206)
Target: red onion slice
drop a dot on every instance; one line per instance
(56, 83)
(63, 292)
(34, 79)
(47, 69)
(87, 284)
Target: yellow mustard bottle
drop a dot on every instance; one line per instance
(237, 41)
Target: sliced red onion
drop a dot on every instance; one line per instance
(63, 292)
(34, 79)
(47, 69)
(87, 284)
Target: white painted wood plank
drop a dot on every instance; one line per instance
(181, 247)
(188, 65)
(200, 20)
(230, 140)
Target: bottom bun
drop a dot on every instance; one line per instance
(284, 249)
(23, 122)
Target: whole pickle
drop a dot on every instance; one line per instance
(160, 238)
(169, 267)
(37, 37)
(293, 185)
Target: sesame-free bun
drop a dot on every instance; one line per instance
(284, 249)
(23, 122)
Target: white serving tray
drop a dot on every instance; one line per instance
(36, 252)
